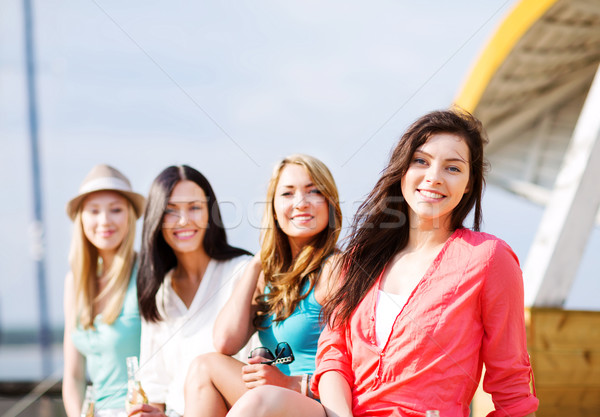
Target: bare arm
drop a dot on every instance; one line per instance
(335, 395)
(233, 326)
(329, 280)
(74, 363)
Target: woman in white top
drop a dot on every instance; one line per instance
(187, 272)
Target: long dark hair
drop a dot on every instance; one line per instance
(380, 228)
(157, 258)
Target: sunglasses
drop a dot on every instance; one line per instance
(283, 354)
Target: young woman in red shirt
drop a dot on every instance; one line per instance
(424, 302)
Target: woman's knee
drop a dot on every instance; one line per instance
(200, 370)
(262, 401)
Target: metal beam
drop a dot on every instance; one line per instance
(561, 238)
(526, 114)
(37, 227)
(534, 155)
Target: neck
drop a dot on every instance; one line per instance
(107, 260)
(191, 265)
(428, 234)
(296, 245)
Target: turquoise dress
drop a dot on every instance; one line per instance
(106, 347)
(301, 330)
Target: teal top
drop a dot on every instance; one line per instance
(301, 330)
(106, 347)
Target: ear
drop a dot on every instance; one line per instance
(468, 187)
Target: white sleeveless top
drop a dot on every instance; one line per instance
(388, 308)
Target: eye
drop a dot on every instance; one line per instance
(286, 194)
(419, 161)
(170, 211)
(315, 191)
(454, 169)
(116, 210)
(196, 207)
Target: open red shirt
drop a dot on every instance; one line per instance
(466, 310)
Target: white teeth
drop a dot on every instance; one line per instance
(184, 234)
(431, 194)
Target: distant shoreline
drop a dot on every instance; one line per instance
(28, 336)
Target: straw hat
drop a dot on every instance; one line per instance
(106, 178)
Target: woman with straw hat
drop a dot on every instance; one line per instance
(102, 323)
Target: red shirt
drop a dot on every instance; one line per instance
(466, 310)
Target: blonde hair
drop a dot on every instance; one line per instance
(83, 258)
(285, 276)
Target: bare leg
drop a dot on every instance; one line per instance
(213, 384)
(272, 401)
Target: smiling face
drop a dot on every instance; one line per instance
(104, 218)
(302, 212)
(436, 180)
(186, 218)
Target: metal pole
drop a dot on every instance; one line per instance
(37, 228)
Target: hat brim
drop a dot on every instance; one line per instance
(137, 200)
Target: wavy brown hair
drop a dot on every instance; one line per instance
(284, 275)
(380, 228)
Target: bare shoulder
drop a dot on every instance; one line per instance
(329, 278)
(69, 297)
(69, 287)
(69, 280)
(260, 284)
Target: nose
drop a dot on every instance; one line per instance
(103, 217)
(433, 175)
(300, 200)
(182, 218)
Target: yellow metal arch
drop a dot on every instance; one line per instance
(522, 17)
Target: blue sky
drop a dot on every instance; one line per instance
(228, 88)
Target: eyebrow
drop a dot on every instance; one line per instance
(310, 184)
(459, 159)
(185, 202)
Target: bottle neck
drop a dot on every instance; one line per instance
(132, 368)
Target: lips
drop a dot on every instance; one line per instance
(302, 217)
(105, 233)
(185, 234)
(431, 194)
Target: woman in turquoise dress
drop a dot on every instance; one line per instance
(279, 295)
(102, 322)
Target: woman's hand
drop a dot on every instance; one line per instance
(256, 374)
(146, 410)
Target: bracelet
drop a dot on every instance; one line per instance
(304, 384)
(308, 390)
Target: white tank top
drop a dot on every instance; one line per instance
(388, 308)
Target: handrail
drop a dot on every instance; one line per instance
(39, 390)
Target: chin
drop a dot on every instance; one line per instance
(185, 248)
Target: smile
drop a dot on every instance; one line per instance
(303, 218)
(185, 234)
(105, 233)
(431, 194)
